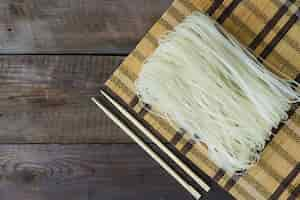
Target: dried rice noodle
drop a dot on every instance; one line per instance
(203, 81)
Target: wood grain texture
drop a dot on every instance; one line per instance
(83, 172)
(81, 26)
(46, 99)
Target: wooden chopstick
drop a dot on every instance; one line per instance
(146, 148)
(181, 164)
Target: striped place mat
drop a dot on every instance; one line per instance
(271, 29)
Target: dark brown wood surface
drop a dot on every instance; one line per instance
(83, 172)
(81, 26)
(54, 142)
(46, 99)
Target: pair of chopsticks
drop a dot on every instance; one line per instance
(148, 149)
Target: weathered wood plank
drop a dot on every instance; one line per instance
(83, 172)
(46, 99)
(82, 26)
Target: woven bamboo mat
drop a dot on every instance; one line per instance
(271, 29)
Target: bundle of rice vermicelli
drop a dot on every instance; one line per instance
(203, 81)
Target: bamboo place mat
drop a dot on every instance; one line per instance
(271, 29)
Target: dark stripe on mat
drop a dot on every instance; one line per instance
(177, 137)
(231, 182)
(295, 193)
(281, 33)
(187, 147)
(285, 183)
(271, 23)
(297, 79)
(144, 110)
(220, 173)
(228, 10)
(214, 6)
(134, 101)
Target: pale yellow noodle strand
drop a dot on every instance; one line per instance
(202, 80)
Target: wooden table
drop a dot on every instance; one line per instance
(55, 143)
